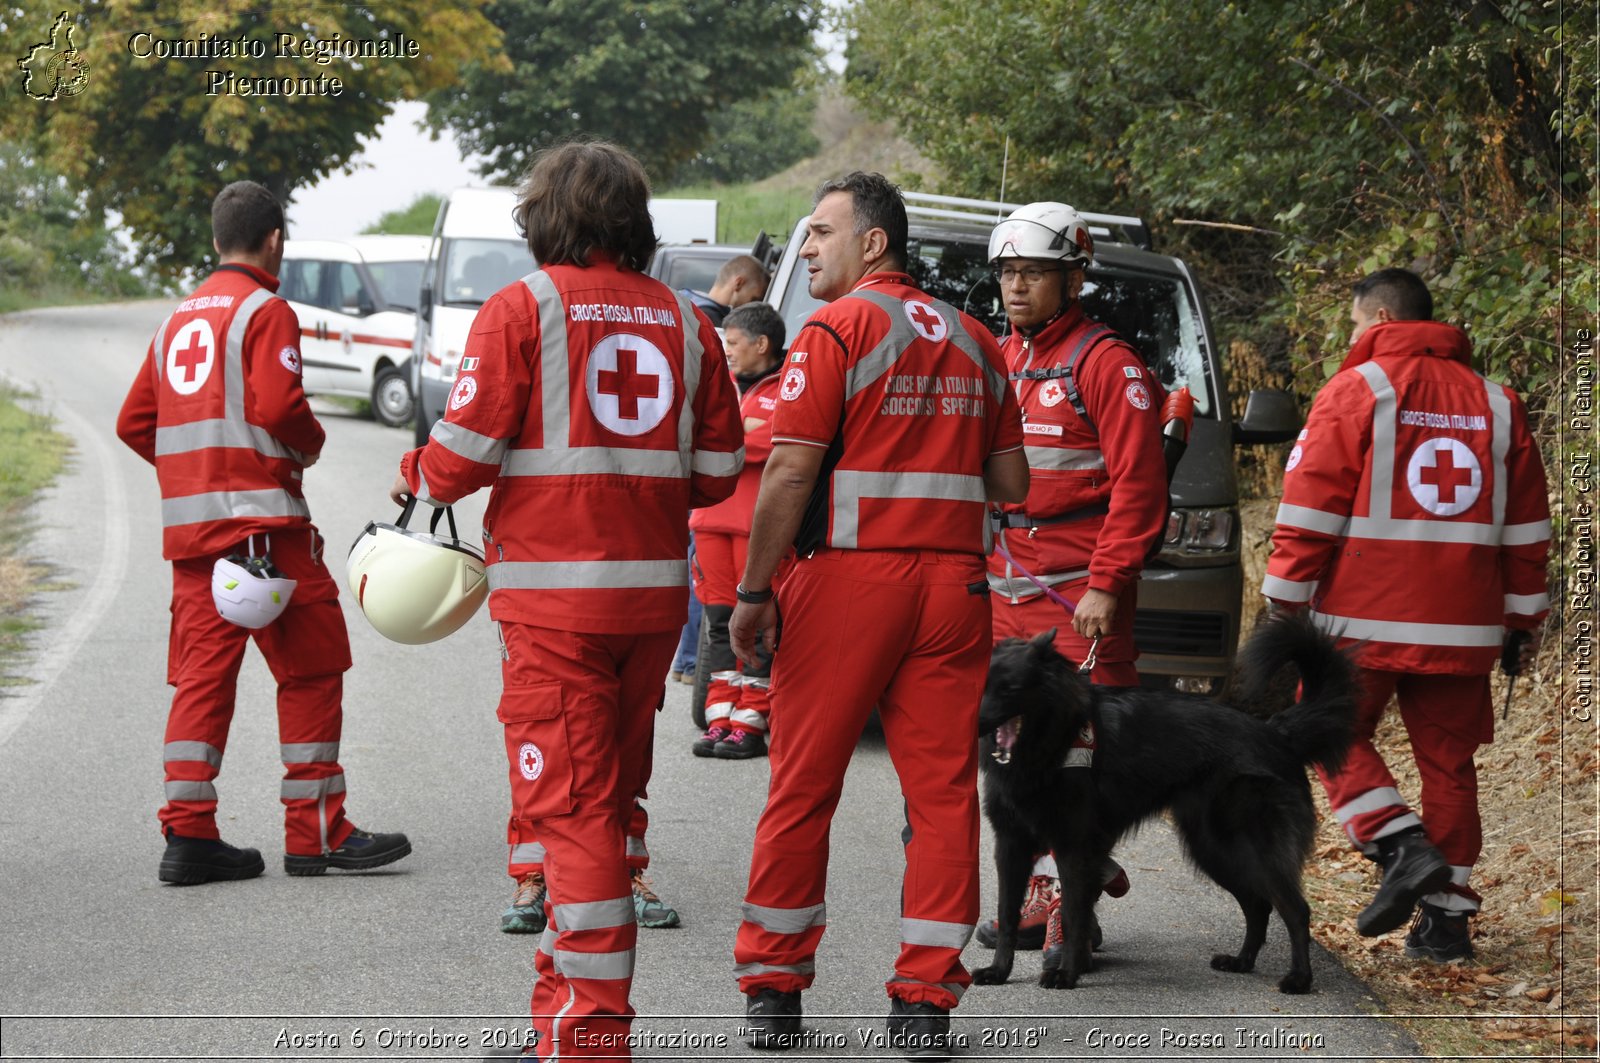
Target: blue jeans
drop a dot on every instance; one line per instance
(689, 641)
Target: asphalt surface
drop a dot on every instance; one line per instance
(100, 960)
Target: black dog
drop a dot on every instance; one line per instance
(1236, 786)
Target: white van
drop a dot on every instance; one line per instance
(356, 301)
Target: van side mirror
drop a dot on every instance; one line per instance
(425, 303)
(1270, 416)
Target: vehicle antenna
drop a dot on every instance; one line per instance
(1005, 163)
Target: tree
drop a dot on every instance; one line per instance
(647, 74)
(754, 137)
(414, 219)
(154, 137)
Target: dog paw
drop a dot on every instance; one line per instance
(1058, 979)
(1295, 983)
(990, 976)
(1223, 961)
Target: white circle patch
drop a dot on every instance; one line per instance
(530, 761)
(629, 384)
(465, 391)
(794, 382)
(190, 356)
(1138, 397)
(290, 359)
(1294, 458)
(1444, 477)
(928, 322)
(1052, 394)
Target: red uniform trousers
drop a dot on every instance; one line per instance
(527, 852)
(903, 630)
(1116, 653)
(308, 651)
(579, 714)
(738, 694)
(1446, 718)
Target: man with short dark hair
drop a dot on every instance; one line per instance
(893, 430)
(218, 409)
(742, 279)
(1415, 527)
(597, 406)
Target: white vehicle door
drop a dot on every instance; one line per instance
(302, 282)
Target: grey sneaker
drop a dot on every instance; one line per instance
(526, 914)
(651, 910)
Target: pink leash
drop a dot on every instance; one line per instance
(1055, 596)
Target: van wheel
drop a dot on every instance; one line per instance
(392, 403)
(702, 676)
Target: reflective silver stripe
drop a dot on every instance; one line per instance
(1424, 531)
(547, 940)
(1064, 459)
(747, 970)
(1371, 801)
(185, 790)
(1454, 902)
(850, 487)
(957, 991)
(935, 934)
(1317, 520)
(217, 432)
(1397, 825)
(595, 915)
(422, 489)
(1530, 534)
(718, 463)
(580, 575)
(636, 847)
(1499, 446)
(220, 505)
(786, 920)
(756, 682)
(600, 461)
(309, 752)
(1019, 587)
(555, 380)
(465, 443)
(527, 853)
(1383, 429)
(200, 751)
(609, 966)
(1287, 590)
(160, 347)
(1362, 629)
(694, 353)
(901, 336)
(750, 720)
(311, 789)
(1527, 603)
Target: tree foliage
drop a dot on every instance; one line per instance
(147, 139)
(414, 219)
(1286, 149)
(647, 74)
(754, 137)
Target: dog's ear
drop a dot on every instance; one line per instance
(1045, 640)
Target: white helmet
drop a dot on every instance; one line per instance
(248, 590)
(1043, 230)
(413, 586)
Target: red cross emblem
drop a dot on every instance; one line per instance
(530, 761)
(629, 383)
(1444, 477)
(928, 322)
(190, 357)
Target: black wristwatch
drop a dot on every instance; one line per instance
(752, 597)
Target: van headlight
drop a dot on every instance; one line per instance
(1201, 537)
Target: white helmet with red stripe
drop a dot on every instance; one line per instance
(416, 587)
(1051, 231)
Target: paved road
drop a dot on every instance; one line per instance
(408, 962)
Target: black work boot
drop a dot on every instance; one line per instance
(1413, 868)
(920, 1030)
(771, 1019)
(1439, 935)
(361, 851)
(191, 861)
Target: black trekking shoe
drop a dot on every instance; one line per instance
(1439, 935)
(1413, 868)
(362, 851)
(920, 1030)
(771, 1019)
(191, 861)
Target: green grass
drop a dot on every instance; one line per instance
(32, 454)
(745, 210)
(52, 293)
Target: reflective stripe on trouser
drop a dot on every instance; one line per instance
(579, 715)
(901, 630)
(1446, 718)
(526, 854)
(755, 696)
(306, 650)
(1114, 658)
(722, 694)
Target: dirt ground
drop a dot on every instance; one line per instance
(1532, 991)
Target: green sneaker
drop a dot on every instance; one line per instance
(650, 909)
(526, 914)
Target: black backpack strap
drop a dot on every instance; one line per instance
(1064, 372)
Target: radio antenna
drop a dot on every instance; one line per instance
(1005, 164)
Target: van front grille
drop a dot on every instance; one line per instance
(1183, 634)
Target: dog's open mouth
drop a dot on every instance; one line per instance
(1005, 738)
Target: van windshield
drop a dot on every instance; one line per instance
(476, 269)
(1155, 312)
(399, 282)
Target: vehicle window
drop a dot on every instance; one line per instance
(300, 280)
(1154, 312)
(698, 272)
(398, 282)
(347, 295)
(476, 269)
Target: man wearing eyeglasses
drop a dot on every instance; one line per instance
(1097, 500)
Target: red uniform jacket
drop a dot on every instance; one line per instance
(218, 408)
(1414, 519)
(598, 403)
(1108, 477)
(732, 516)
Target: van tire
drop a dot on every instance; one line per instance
(392, 401)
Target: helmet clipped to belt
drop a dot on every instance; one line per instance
(413, 586)
(248, 590)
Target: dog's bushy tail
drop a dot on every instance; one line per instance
(1317, 727)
